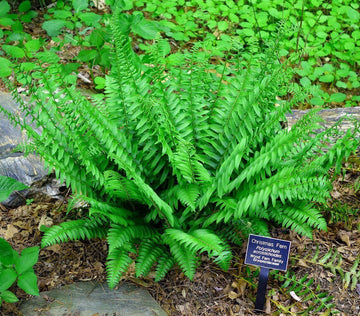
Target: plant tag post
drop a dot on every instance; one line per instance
(266, 253)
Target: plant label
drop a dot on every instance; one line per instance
(266, 253)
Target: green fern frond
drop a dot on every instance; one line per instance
(118, 186)
(352, 277)
(189, 164)
(301, 217)
(164, 263)
(118, 235)
(118, 261)
(74, 230)
(185, 258)
(149, 253)
(333, 261)
(117, 215)
(303, 288)
(188, 194)
(198, 241)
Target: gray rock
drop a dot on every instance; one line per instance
(28, 170)
(93, 298)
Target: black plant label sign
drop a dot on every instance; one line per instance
(266, 253)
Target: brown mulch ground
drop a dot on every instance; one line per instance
(213, 291)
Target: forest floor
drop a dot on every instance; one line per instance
(213, 291)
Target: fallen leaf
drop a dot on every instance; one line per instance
(46, 221)
(344, 236)
(240, 285)
(302, 263)
(268, 307)
(9, 232)
(335, 194)
(55, 248)
(232, 295)
(183, 293)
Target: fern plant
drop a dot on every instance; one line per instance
(181, 158)
(305, 292)
(333, 261)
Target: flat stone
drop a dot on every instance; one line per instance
(93, 298)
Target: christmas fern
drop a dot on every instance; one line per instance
(181, 158)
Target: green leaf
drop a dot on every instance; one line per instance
(8, 185)
(5, 71)
(337, 97)
(13, 51)
(53, 27)
(62, 14)
(27, 259)
(353, 14)
(211, 24)
(234, 18)
(305, 82)
(223, 26)
(341, 84)
(6, 21)
(164, 48)
(7, 278)
(80, 5)
(97, 38)
(355, 34)
(90, 18)
(99, 83)
(145, 29)
(33, 45)
(317, 101)
(17, 28)
(24, 6)
(9, 297)
(6, 253)
(87, 55)
(27, 66)
(28, 282)
(26, 18)
(4, 8)
(327, 78)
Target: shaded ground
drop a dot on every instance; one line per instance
(212, 292)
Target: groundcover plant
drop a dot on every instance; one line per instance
(179, 159)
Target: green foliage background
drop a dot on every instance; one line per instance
(325, 33)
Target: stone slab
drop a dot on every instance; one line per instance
(93, 298)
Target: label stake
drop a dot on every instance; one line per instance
(266, 253)
(261, 291)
